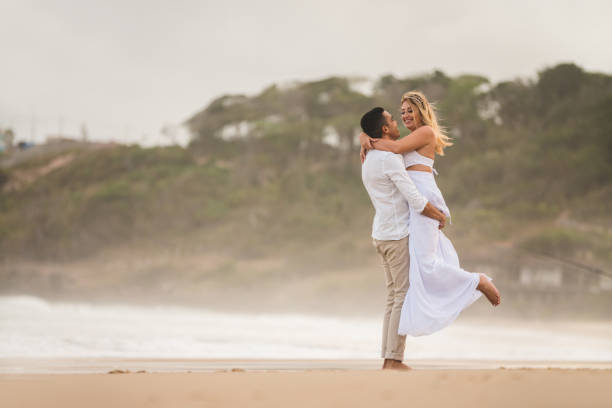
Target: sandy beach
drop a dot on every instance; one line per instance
(308, 384)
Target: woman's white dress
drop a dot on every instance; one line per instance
(439, 288)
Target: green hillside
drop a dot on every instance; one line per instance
(277, 176)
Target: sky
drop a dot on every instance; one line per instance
(125, 69)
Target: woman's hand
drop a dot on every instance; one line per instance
(362, 154)
(366, 141)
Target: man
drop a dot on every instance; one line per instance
(393, 194)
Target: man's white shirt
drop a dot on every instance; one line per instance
(392, 193)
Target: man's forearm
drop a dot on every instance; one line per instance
(394, 169)
(406, 187)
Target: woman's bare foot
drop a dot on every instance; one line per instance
(490, 291)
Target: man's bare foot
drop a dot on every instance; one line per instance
(395, 365)
(490, 291)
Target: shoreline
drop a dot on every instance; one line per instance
(67, 366)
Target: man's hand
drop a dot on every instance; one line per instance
(442, 222)
(432, 212)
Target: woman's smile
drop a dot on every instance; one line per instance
(407, 115)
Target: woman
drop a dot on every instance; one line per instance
(439, 288)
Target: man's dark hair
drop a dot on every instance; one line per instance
(372, 122)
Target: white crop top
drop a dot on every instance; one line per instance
(414, 157)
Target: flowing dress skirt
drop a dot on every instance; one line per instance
(439, 288)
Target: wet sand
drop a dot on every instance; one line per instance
(164, 365)
(284, 383)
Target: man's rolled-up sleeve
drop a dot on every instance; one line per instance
(394, 169)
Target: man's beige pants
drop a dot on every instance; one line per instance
(396, 263)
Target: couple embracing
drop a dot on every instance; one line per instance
(426, 287)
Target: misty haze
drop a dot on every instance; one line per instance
(181, 190)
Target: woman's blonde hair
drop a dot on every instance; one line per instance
(427, 116)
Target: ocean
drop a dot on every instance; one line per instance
(31, 327)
